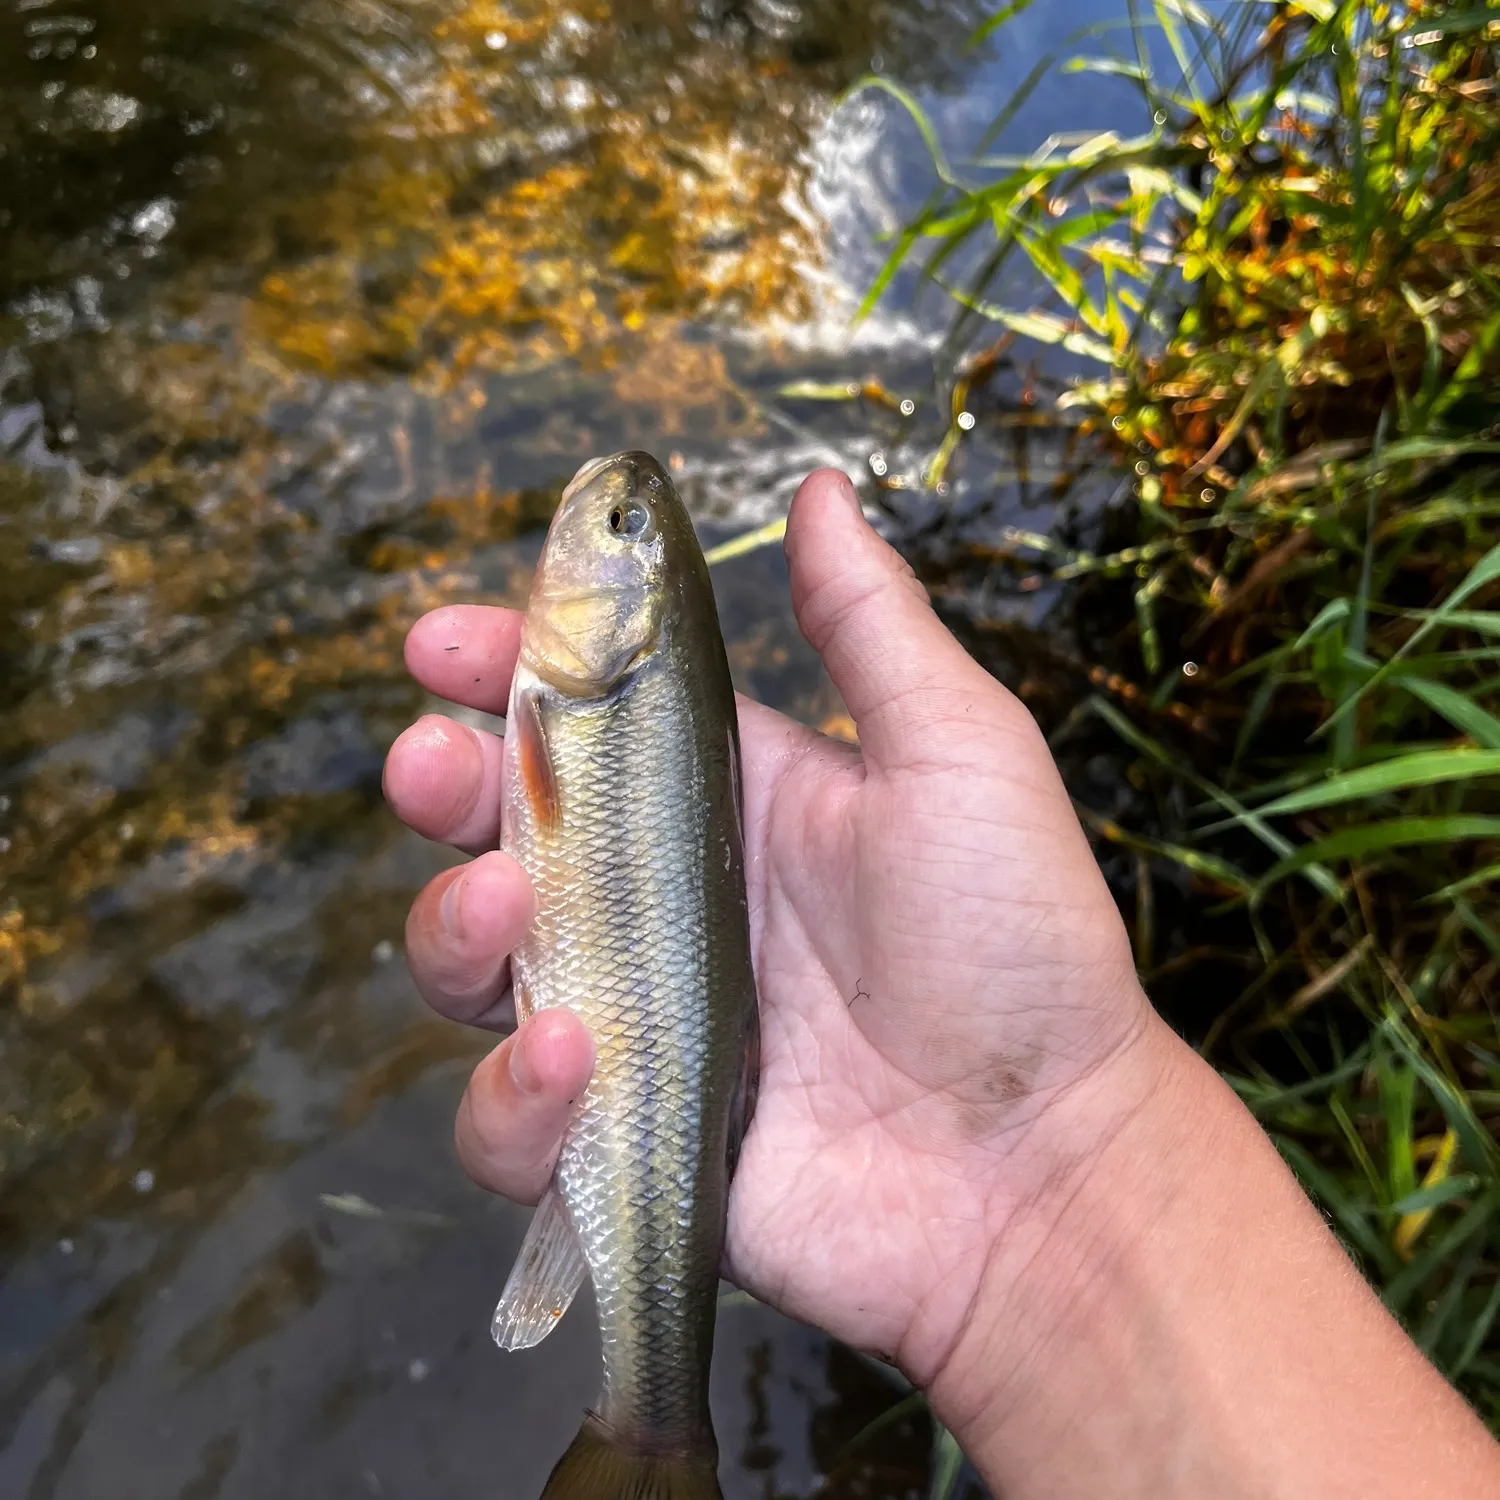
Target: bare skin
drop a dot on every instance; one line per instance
(977, 1151)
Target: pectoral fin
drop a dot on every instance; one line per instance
(547, 1273)
(534, 757)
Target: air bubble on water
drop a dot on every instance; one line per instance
(418, 1370)
(496, 41)
(383, 951)
(144, 1180)
(966, 420)
(878, 464)
(908, 406)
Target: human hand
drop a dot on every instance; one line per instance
(940, 965)
(977, 1150)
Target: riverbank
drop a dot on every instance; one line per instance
(1278, 699)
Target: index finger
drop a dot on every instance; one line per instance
(466, 653)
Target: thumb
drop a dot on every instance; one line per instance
(862, 609)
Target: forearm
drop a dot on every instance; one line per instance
(1180, 1322)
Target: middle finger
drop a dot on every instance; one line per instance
(442, 779)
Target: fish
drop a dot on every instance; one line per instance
(621, 799)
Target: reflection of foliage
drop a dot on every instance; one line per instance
(476, 182)
(580, 212)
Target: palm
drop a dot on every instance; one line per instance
(883, 905)
(936, 954)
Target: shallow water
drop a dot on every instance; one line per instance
(306, 314)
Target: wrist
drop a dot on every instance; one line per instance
(1171, 1317)
(1104, 1156)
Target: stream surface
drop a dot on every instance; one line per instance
(307, 313)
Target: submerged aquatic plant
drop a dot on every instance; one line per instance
(1290, 279)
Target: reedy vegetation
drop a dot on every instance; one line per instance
(1291, 281)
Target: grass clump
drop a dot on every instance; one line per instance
(1290, 282)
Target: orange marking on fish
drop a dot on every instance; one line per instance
(536, 764)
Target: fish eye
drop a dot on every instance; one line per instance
(628, 520)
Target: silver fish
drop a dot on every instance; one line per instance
(621, 801)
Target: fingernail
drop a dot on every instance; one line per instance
(522, 1073)
(848, 493)
(450, 908)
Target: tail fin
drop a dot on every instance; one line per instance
(596, 1467)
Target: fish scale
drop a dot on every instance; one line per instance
(639, 987)
(638, 983)
(620, 797)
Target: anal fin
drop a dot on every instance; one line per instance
(546, 1276)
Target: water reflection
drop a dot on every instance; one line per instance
(307, 311)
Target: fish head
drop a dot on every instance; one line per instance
(619, 552)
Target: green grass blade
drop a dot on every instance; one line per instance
(919, 117)
(751, 541)
(1376, 838)
(1043, 327)
(1474, 1141)
(1486, 571)
(1430, 1334)
(1486, 876)
(1460, 710)
(1398, 1090)
(1407, 771)
(1479, 1331)
(947, 1464)
(1196, 863)
(1406, 1284)
(1439, 1193)
(986, 29)
(1350, 1216)
(1276, 842)
(1261, 1099)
